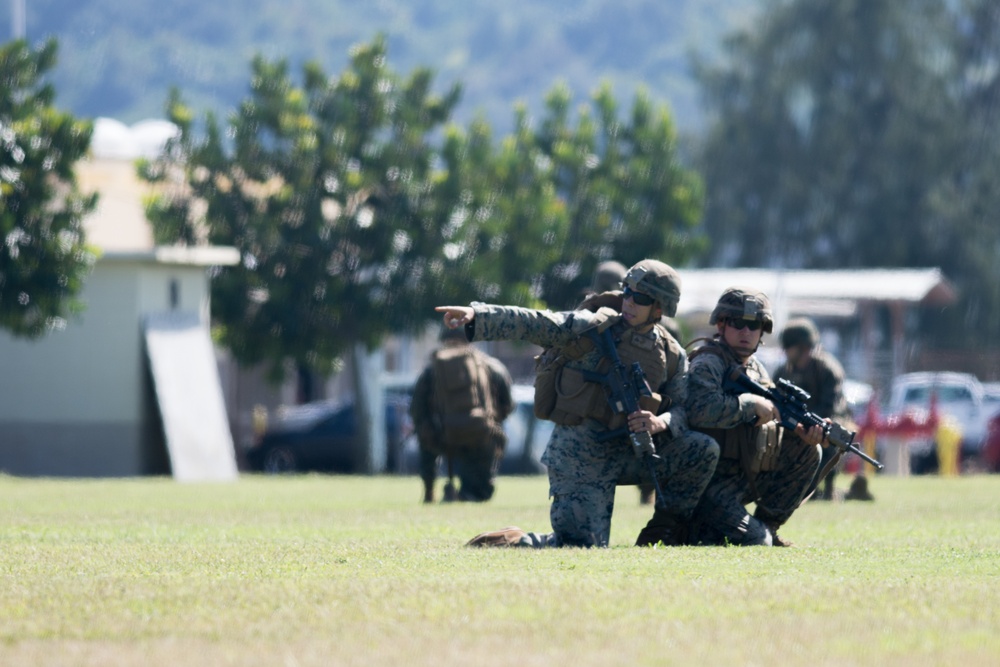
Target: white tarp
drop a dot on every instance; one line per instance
(816, 292)
(189, 394)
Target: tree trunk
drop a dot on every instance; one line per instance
(369, 401)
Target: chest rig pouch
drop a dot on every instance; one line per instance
(550, 363)
(577, 398)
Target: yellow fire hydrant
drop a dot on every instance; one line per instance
(948, 438)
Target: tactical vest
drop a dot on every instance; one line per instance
(752, 446)
(462, 397)
(564, 396)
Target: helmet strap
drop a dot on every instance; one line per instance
(653, 317)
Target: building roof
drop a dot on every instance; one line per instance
(831, 293)
(188, 255)
(118, 226)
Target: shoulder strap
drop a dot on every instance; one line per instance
(707, 345)
(604, 318)
(673, 351)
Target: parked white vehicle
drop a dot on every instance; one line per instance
(960, 395)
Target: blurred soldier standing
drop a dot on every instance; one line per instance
(459, 403)
(822, 377)
(759, 462)
(583, 471)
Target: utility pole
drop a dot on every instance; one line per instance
(17, 18)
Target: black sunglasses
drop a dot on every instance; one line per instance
(752, 325)
(638, 298)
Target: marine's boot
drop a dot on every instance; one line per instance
(777, 540)
(511, 536)
(663, 528)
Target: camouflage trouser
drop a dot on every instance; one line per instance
(583, 474)
(721, 516)
(476, 468)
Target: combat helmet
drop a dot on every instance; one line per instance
(799, 331)
(743, 303)
(449, 335)
(608, 276)
(659, 281)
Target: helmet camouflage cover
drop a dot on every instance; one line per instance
(659, 281)
(799, 331)
(743, 303)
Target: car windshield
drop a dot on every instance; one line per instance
(302, 417)
(945, 393)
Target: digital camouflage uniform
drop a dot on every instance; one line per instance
(755, 464)
(475, 464)
(608, 276)
(822, 378)
(584, 472)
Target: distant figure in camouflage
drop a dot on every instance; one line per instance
(822, 377)
(608, 277)
(583, 471)
(760, 462)
(475, 451)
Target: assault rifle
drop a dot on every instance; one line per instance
(790, 399)
(624, 385)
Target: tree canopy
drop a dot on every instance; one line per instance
(627, 194)
(858, 133)
(43, 254)
(324, 189)
(357, 206)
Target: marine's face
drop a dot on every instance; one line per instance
(634, 314)
(798, 355)
(741, 335)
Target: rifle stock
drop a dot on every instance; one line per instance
(790, 399)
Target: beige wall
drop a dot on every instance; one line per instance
(88, 372)
(84, 449)
(78, 401)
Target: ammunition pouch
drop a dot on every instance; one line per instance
(548, 375)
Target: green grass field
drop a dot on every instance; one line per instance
(355, 571)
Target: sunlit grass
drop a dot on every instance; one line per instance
(355, 571)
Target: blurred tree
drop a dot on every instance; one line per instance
(965, 204)
(860, 133)
(832, 123)
(501, 218)
(324, 189)
(43, 256)
(626, 192)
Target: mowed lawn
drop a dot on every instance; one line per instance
(320, 570)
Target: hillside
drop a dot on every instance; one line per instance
(119, 59)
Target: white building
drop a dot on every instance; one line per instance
(131, 386)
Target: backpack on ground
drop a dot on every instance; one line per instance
(462, 397)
